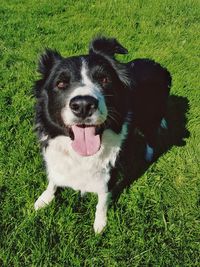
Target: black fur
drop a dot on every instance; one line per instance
(107, 46)
(140, 86)
(150, 89)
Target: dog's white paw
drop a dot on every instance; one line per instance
(43, 200)
(149, 153)
(99, 224)
(83, 193)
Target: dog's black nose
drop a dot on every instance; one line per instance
(83, 106)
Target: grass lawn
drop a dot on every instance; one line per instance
(155, 220)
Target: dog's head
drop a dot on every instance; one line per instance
(81, 96)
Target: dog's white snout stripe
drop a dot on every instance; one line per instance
(87, 88)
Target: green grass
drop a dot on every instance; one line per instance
(155, 221)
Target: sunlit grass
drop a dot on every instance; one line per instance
(155, 222)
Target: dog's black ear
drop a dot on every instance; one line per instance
(47, 61)
(107, 46)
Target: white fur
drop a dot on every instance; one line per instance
(43, 137)
(149, 153)
(66, 168)
(46, 197)
(101, 212)
(87, 88)
(163, 124)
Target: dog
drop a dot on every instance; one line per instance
(85, 106)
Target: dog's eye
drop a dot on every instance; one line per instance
(61, 85)
(104, 80)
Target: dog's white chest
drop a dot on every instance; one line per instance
(88, 174)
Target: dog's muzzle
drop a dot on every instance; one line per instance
(85, 131)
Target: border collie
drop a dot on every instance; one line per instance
(85, 107)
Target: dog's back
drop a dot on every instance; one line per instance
(150, 89)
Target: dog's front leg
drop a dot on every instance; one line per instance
(46, 197)
(101, 211)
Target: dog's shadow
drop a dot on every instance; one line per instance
(131, 164)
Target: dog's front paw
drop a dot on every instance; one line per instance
(43, 200)
(99, 224)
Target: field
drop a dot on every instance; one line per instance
(154, 220)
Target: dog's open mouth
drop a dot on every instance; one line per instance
(86, 140)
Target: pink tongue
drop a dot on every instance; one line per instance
(85, 142)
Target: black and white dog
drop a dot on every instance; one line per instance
(85, 106)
